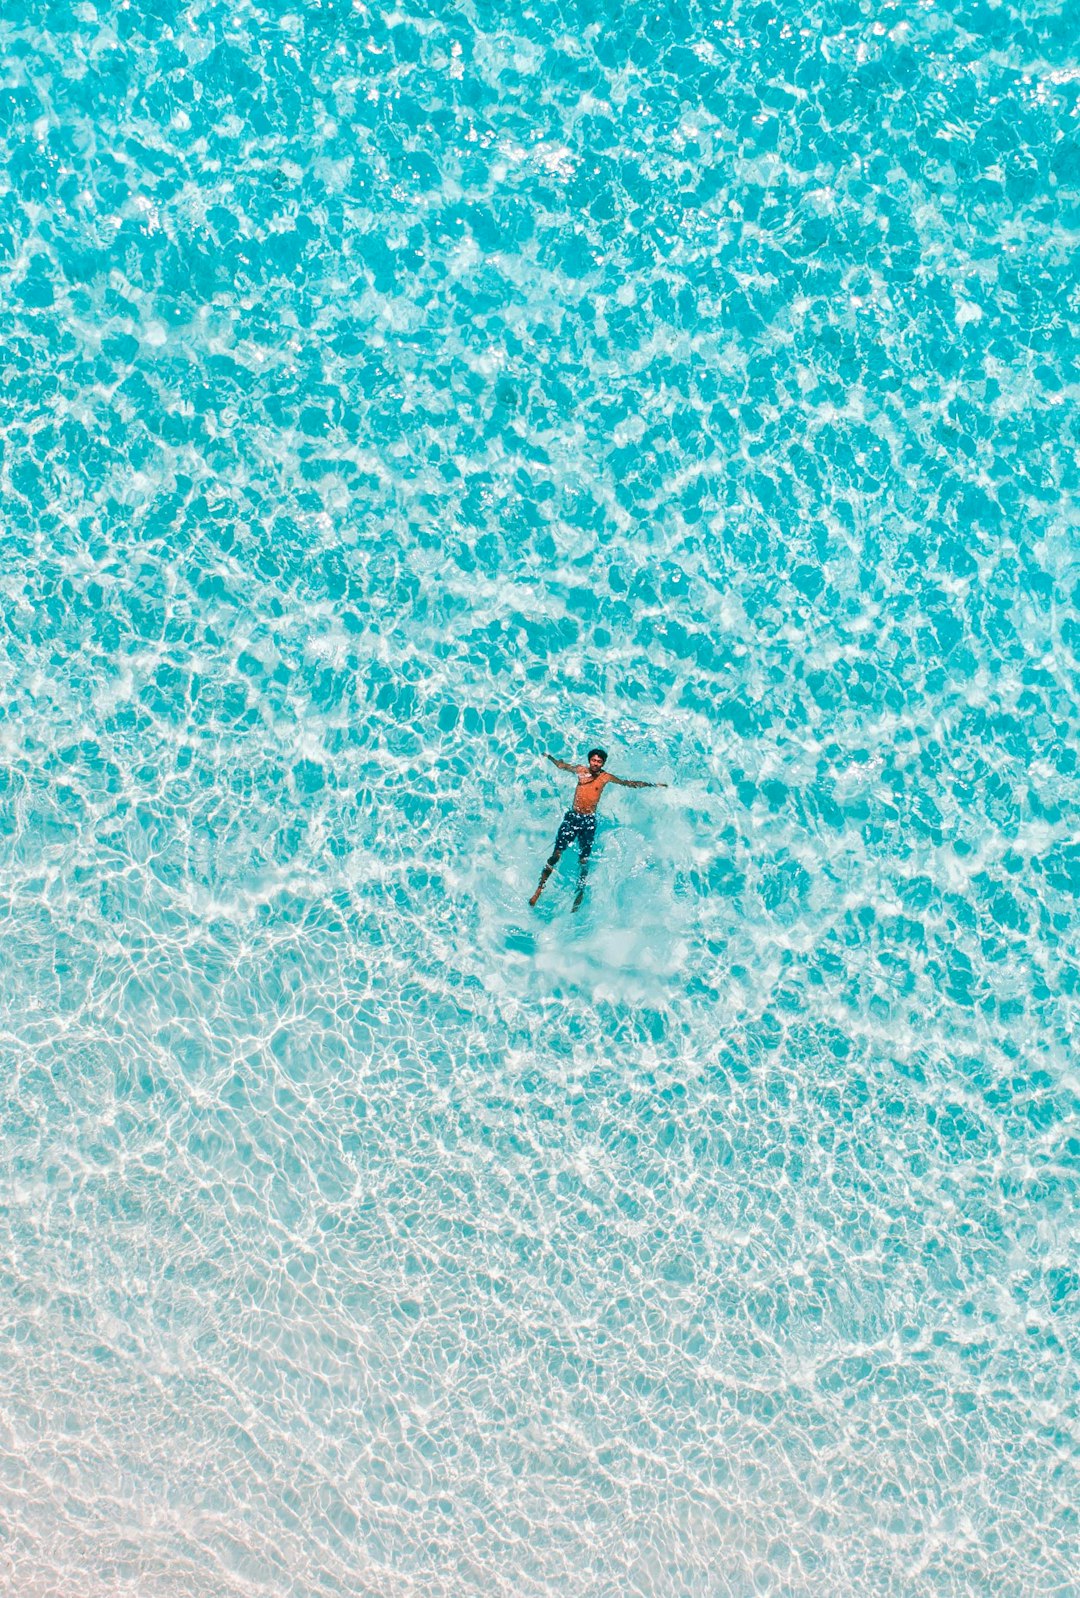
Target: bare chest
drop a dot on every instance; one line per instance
(587, 794)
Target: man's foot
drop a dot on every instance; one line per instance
(536, 895)
(579, 895)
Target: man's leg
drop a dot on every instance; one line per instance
(584, 850)
(553, 860)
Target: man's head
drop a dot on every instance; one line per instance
(596, 760)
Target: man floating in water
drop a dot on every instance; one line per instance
(579, 823)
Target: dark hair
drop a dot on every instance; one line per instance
(601, 752)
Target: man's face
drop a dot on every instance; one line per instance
(595, 764)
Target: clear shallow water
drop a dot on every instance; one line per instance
(389, 399)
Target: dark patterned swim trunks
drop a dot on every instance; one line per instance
(575, 828)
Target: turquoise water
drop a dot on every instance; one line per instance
(391, 398)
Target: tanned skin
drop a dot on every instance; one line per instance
(591, 782)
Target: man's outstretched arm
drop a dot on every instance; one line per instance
(626, 782)
(563, 765)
